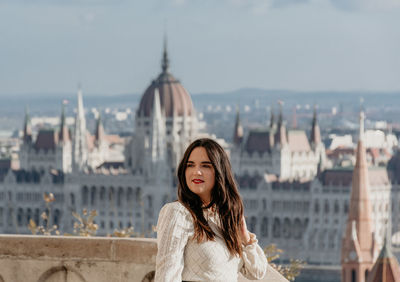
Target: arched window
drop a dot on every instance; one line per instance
(85, 196)
(264, 203)
(326, 206)
(28, 215)
(10, 216)
(72, 199)
(336, 207)
(36, 217)
(138, 195)
(316, 206)
(353, 275)
(264, 227)
(111, 194)
(120, 196)
(297, 229)
(276, 228)
(129, 196)
(102, 194)
(286, 228)
(56, 217)
(93, 196)
(346, 207)
(253, 224)
(366, 275)
(20, 217)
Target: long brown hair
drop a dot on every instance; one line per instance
(224, 195)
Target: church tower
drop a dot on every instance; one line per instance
(359, 246)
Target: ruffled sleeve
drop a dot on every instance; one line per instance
(254, 260)
(174, 227)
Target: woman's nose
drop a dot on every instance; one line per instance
(198, 171)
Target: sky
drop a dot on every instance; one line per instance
(114, 46)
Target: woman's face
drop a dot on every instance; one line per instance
(200, 174)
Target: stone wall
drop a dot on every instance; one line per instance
(27, 258)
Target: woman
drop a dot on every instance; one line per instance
(203, 236)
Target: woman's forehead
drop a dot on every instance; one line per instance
(199, 154)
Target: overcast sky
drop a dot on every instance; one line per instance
(114, 46)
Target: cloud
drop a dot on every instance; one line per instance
(284, 3)
(366, 5)
(65, 3)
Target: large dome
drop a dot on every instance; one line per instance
(173, 97)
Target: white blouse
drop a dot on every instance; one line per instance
(180, 257)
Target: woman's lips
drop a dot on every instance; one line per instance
(197, 181)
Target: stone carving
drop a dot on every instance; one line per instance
(61, 274)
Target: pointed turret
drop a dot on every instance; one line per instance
(165, 60)
(358, 247)
(315, 137)
(238, 130)
(63, 135)
(280, 135)
(99, 133)
(27, 128)
(386, 267)
(80, 153)
(272, 119)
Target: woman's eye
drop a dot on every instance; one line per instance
(190, 165)
(206, 166)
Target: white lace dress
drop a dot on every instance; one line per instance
(179, 257)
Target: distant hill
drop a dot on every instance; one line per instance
(46, 103)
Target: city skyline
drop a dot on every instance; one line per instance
(214, 46)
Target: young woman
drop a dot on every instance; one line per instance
(203, 236)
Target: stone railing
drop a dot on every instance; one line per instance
(28, 258)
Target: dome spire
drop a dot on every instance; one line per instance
(165, 60)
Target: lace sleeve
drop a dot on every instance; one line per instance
(174, 227)
(254, 260)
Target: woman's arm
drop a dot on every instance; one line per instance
(173, 230)
(254, 260)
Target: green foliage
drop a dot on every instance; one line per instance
(290, 271)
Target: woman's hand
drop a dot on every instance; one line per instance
(244, 233)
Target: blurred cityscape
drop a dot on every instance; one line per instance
(300, 159)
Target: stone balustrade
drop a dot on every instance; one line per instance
(28, 258)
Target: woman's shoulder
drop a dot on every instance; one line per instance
(175, 208)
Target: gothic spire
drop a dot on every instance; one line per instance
(272, 119)
(386, 267)
(165, 60)
(80, 140)
(63, 135)
(359, 247)
(238, 130)
(280, 135)
(315, 131)
(99, 133)
(27, 127)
